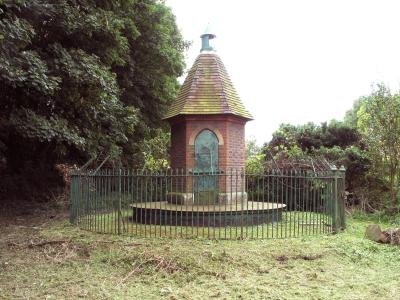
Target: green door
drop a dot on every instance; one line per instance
(206, 167)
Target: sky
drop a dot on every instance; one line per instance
(297, 61)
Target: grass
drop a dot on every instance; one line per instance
(46, 258)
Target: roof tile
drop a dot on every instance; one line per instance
(207, 90)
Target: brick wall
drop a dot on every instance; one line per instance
(230, 131)
(235, 145)
(178, 142)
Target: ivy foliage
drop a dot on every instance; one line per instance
(83, 77)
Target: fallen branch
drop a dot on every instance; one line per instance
(113, 242)
(44, 243)
(134, 270)
(41, 244)
(12, 244)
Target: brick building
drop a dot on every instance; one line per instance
(208, 132)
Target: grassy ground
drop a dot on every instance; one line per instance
(43, 257)
(292, 224)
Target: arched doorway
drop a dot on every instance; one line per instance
(206, 167)
(206, 152)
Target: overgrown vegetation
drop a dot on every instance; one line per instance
(379, 124)
(367, 143)
(80, 78)
(85, 78)
(41, 258)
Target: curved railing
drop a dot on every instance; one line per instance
(221, 205)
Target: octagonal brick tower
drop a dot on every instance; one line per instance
(208, 125)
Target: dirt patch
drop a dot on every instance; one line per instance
(56, 251)
(22, 228)
(284, 258)
(309, 257)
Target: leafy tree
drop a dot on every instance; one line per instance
(311, 136)
(254, 157)
(337, 142)
(156, 154)
(251, 147)
(379, 123)
(82, 77)
(351, 117)
(367, 143)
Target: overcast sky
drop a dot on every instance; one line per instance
(297, 61)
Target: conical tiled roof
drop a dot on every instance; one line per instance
(207, 90)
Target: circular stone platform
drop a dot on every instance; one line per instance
(164, 213)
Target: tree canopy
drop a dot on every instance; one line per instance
(378, 119)
(313, 136)
(367, 143)
(83, 77)
(336, 142)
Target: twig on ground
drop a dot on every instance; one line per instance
(113, 242)
(134, 270)
(31, 244)
(41, 244)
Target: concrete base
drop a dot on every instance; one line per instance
(164, 213)
(206, 198)
(180, 198)
(232, 198)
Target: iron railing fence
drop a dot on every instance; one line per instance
(220, 205)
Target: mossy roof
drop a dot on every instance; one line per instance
(207, 90)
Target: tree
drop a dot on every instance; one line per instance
(156, 151)
(312, 136)
(82, 77)
(254, 157)
(351, 117)
(336, 142)
(379, 123)
(251, 147)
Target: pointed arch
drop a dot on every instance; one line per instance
(197, 131)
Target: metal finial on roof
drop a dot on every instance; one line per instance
(205, 39)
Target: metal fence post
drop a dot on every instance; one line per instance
(312, 201)
(243, 178)
(119, 201)
(341, 196)
(335, 206)
(338, 211)
(73, 199)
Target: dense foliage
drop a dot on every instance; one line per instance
(379, 123)
(367, 143)
(79, 78)
(336, 142)
(254, 157)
